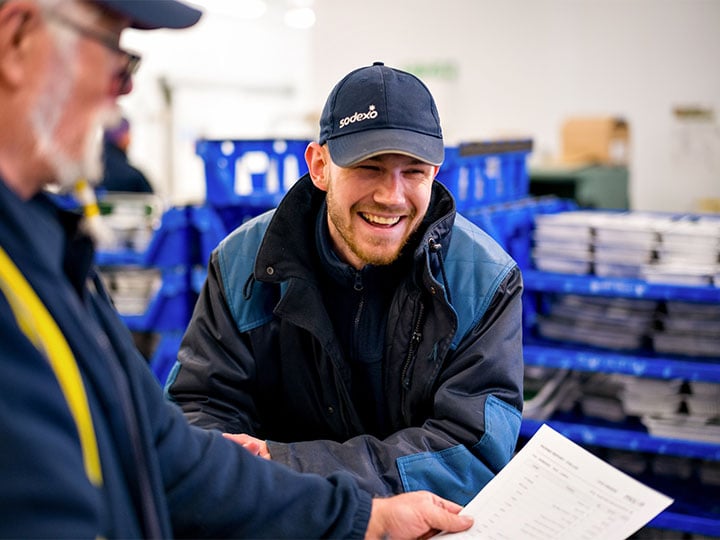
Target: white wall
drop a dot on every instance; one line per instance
(516, 67)
(226, 77)
(523, 66)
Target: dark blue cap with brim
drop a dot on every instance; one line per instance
(378, 110)
(153, 14)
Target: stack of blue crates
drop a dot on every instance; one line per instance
(490, 183)
(244, 178)
(168, 311)
(485, 173)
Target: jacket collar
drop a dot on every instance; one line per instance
(40, 230)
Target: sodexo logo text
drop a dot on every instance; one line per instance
(359, 117)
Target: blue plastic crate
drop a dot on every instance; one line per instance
(199, 276)
(169, 308)
(169, 246)
(213, 223)
(484, 173)
(511, 223)
(455, 175)
(165, 355)
(250, 172)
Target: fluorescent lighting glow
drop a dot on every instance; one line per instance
(301, 18)
(242, 9)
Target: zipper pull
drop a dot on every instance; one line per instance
(358, 286)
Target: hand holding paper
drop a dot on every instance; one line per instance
(555, 489)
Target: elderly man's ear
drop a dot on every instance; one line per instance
(18, 19)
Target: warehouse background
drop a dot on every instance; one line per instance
(516, 68)
(621, 310)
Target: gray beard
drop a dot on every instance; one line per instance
(45, 119)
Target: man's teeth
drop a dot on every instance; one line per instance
(380, 220)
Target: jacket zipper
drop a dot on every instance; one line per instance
(358, 286)
(412, 353)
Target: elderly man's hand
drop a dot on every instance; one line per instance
(251, 444)
(418, 514)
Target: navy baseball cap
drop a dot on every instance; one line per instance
(381, 110)
(153, 14)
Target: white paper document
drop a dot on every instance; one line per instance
(555, 489)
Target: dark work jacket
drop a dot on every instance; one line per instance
(160, 476)
(261, 355)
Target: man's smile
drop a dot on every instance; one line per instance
(375, 219)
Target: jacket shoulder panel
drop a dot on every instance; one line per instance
(476, 265)
(236, 256)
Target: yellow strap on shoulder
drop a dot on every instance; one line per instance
(41, 329)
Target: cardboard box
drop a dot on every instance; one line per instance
(597, 140)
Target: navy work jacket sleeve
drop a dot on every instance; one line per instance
(209, 486)
(160, 476)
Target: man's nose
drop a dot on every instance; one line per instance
(391, 189)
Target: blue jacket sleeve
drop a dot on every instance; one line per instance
(208, 486)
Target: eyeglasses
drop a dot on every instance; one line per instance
(132, 60)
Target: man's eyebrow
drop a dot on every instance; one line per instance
(379, 158)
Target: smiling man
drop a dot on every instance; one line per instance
(363, 325)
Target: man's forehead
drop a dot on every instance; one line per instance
(107, 16)
(97, 14)
(392, 155)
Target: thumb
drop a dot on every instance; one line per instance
(444, 515)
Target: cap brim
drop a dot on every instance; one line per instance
(355, 147)
(150, 15)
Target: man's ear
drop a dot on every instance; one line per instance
(317, 159)
(17, 18)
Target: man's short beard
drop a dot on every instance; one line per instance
(345, 231)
